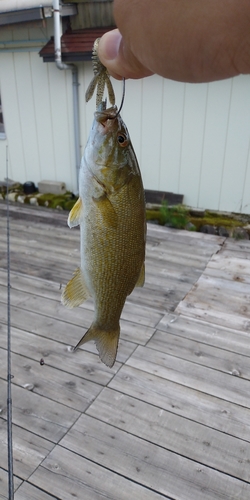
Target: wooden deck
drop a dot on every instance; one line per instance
(171, 419)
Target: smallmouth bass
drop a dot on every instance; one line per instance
(111, 214)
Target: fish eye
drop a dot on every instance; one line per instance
(122, 139)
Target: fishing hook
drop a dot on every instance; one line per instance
(122, 101)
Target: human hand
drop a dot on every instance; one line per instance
(188, 41)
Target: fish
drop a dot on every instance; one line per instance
(111, 213)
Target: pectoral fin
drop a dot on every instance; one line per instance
(75, 292)
(106, 343)
(141, 279)
(107, 211)
(75, 214)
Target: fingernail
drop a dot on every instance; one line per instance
(109, 45)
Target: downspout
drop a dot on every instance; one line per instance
(62, 66)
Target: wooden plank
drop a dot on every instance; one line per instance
(47, 307)
(33, 230)
(31, 284)
(33, 267)
(202, 354)
(168, 284)
(51, 420)
(52, 383)
(46, 234)
(29, 450)
(4, 484)
(242, 254)
(180, 400)
(209, 285)
(235, 341)
(146, 463)
(229, 268)
(29, 492)
(170, 432)
(70, 326)
(236, 246)
(86, 365)
(65, 474)
(218, 297)
(201, 378)
(68, 335)
(82, 315)
(33, 213)
(120, 452)
(183, 258)
(163, 233)
(63, 245)
(40, 248)
(239, 322)
(165, 298)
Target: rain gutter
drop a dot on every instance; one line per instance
(75, 85)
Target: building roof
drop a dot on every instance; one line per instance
(75, 45)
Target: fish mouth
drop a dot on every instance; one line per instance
(107, 114)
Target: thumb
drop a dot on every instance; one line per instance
(117, 57)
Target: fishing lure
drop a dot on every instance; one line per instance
(100, 79)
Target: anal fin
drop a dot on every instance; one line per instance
(75, 292)
(75, 214)
(106, 343)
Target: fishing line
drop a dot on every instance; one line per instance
(9, 377)
(122, 101)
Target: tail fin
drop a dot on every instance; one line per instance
(106, 343)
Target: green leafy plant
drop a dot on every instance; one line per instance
(174, 216)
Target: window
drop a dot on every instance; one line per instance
(2, 129)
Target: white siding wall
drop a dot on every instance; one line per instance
(189, 139)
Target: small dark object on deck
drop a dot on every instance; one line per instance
(41, 361)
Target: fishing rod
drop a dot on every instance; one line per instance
(9, 376)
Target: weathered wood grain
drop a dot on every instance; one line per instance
(29, 492)
(4, 484)
(178, 399)
(201, 378)
(67, 474)
(69, 332)
(229, 339)
(29, 450)
(151, 465)
(52, 383)
(173, 421)
(201, 354)
(82, 363)
(46, 418)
